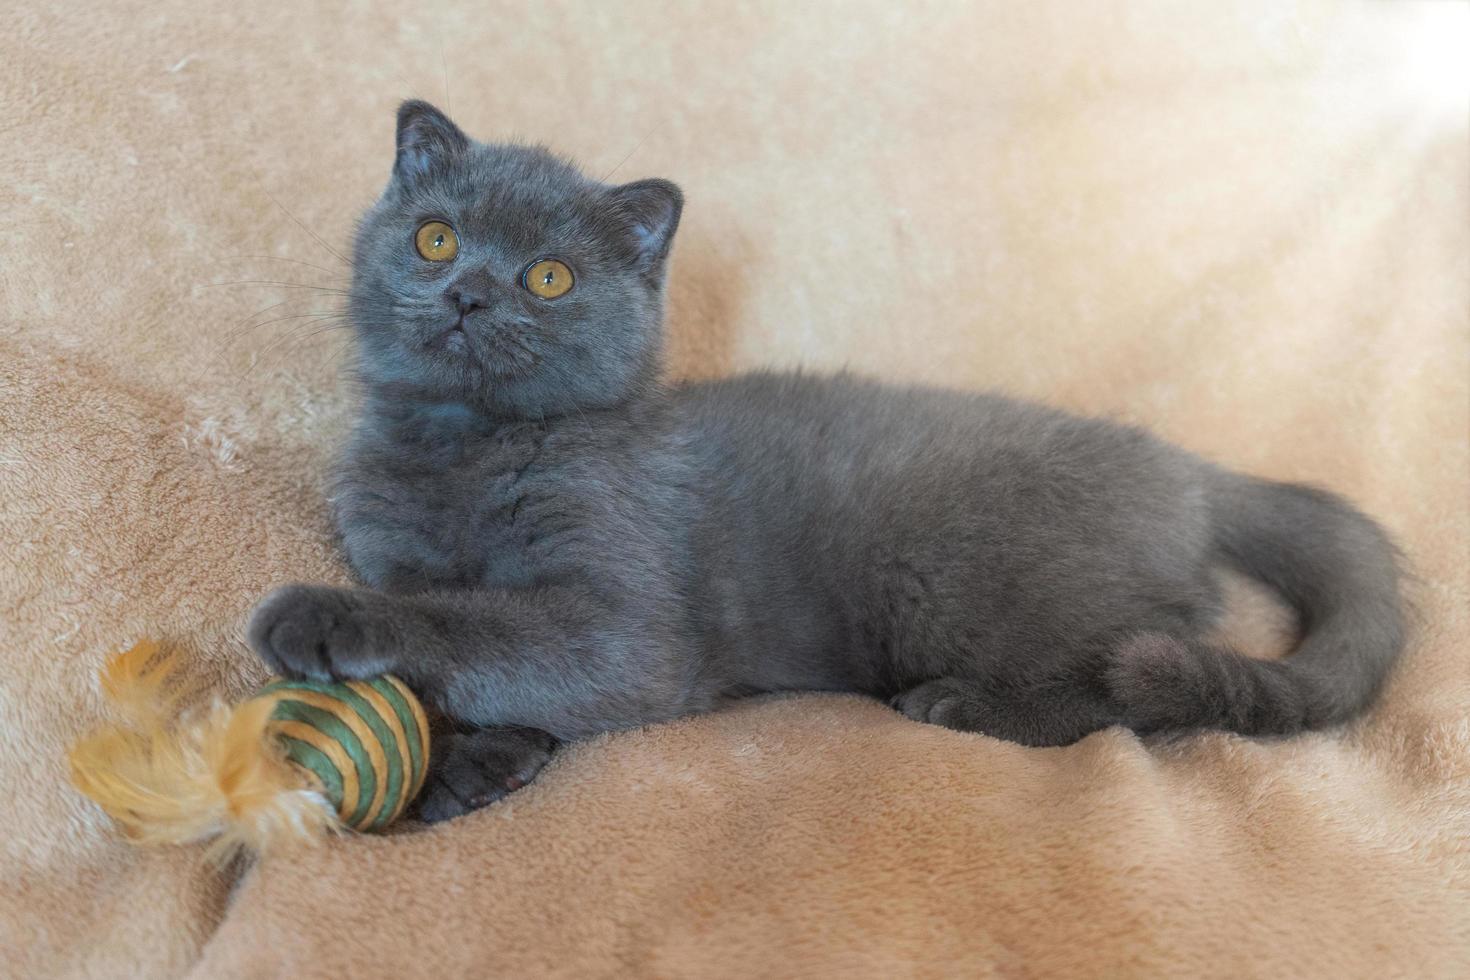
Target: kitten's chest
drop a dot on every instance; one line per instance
(451, 509)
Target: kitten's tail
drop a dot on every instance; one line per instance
(1340, 572)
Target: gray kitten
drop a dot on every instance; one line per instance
(552, 543)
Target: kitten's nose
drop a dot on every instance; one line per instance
(467, 299)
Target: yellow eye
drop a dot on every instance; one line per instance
(436, 241)
(548, 278)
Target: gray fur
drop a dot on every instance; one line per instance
(549, 538)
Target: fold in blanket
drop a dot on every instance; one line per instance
(1241, 224)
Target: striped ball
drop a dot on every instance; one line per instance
(364, 744)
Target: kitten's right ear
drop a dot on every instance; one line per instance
(426, 138)
(647, 215)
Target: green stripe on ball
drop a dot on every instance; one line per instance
(336, 729)
(417, 752)
(371, 727)
(387, 737)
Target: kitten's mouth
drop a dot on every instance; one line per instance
(454, 340)
(498, 352)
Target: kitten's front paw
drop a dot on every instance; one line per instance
(470, 770)
(317, 632)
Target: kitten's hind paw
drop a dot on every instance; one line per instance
(1048, 711)
(470, 770)
(936, 703)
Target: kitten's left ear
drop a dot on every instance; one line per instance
(647, 214)
(426, 137)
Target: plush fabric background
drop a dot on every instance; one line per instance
(1243, 224)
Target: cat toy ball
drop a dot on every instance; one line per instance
(298, 760)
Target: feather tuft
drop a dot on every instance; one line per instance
(143, 682)
(215, 775)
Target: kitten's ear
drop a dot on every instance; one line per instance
(647, 215)
(426, 137)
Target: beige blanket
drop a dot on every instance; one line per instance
(1243, 224)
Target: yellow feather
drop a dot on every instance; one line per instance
(217, 775)
(143, 682)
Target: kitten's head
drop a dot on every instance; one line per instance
(500, 276)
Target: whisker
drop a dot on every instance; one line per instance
(412, 90)
(313, 314)
(444, 68)
(303, 227)
(278, 258)
(244, 326)
(243, 321)
(274, 282)
(275, 344)
(334, 363)
(304, 340)
(249, 326)
(634, 150)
